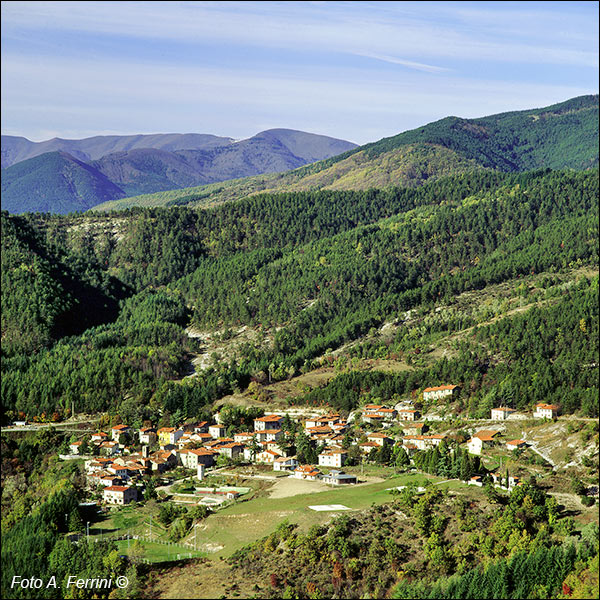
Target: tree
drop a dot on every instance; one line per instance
(75, 524)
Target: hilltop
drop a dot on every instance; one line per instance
(560, 136)
(109, 167)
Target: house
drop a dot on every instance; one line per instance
(266, 456)
(110, 448)
(118, 470)
(545, 411)
(163, 461)
(442, 391)
(268, 422)
(119, 494)
(500, 481)
(98, 437)
(169, 435)
(406, 414)
(371, 417)
(366, 447)
(135, 470)
(244, 437)
(411, 428)
(320, 430)
(108, 480)
(516, 445)
(340, 427)
(338, 478)
(74, 447)
(268, 435)
(190, 459)
(231, 449)
(307, 472)
(323, 421)
(119, 430)
(380, 439)
(480, 440)
(285, 463)
(147, 436)
(97, 464)
(333, 458)
(217, 431)
(200, 427)
(501, 413)
(423, 442)
(216, 444)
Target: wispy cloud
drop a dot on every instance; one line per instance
(358, 70)
(405, 63)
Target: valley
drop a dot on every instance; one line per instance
(372, 376)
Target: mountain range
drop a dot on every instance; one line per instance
(117, 172)
(69, 175)
(561, 136)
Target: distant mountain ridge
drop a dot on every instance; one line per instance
(560, 136)
(16, 149)
(144, 164)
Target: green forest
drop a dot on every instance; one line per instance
(95, 307)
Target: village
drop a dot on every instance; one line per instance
(119, 463)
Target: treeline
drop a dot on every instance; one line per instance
(536, 575)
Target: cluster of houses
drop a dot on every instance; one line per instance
(198, 445)
(542, 411)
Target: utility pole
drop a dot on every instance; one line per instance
(88, 530)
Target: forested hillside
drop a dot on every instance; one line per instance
(55, 182)
(561, 136)
(323, 268)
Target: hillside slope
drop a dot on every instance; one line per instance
(55, 182)
(560, 136)
(169, 162)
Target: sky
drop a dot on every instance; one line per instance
(358, 71)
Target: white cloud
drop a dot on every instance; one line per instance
(137, 97)
(363, 30)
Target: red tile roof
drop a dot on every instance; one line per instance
(440, 388)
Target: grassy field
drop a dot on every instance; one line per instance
(226, 531)
(156, 553)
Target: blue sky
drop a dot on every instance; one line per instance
(354, 70)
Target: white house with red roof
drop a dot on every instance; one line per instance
(442, 391)
(333, 458)
(307, 472)
(406, 414)
(501, 413)
(480, 440)
(74, 447)
(381, 439)
(268, 422)
(545, 411)
(119, 494)
(118, 430)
